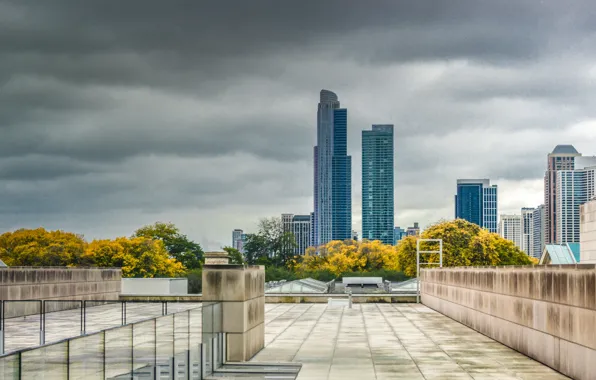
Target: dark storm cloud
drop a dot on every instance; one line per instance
(149, 107)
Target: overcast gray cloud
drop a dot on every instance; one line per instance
(116, 114)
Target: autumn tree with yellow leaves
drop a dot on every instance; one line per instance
(339, 257)
(464, 244)
(137, 256)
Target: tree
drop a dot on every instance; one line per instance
(340, 257)
(39, 247)
(186, 251)
(138, 257)
(464, 244)
(235, 255)
(271, 245)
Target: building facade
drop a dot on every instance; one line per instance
(332, 173)
(301, 229)
(378, 184)
(561, 158)
(237, 241)
(414, 230)
(527, 231)
(398, 234)
(476, 201)
(538, 220)
(572, 188)
(510, 228)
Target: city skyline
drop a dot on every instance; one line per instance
(157, 112)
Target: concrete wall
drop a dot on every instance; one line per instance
(241, 291)
(55, 284)
(155, 286)
(545, 312)
(587, 235)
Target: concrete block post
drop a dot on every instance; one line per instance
(241, 290)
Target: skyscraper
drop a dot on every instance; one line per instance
(332, 173)
(476, 202)
(237, 239)
(377, 184)
(527, 230)
(510, 228)
(538, 219)
(572, 188)
(561, 158)
(301, 230)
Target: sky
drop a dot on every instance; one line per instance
(117, 114)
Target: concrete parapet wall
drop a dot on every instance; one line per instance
(241, 291)
(546, 312)
(587, 235)
(55, 284)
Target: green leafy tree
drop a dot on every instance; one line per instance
(186, 251)
(271, 245)
(235, 255)
(464, 244)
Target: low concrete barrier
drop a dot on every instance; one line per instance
(55, 284)
(545, 312)
(287, 298)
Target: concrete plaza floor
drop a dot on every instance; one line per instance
(387, 341)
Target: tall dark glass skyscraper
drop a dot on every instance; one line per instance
(332, 173)
(476, 202)
(377, 184)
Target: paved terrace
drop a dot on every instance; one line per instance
(369, 341)
(387, 341)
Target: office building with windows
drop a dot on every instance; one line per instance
(527, 230)
(237, 239)
(301, 230)
(561, 158)
(573, 188)
(377, 184)
(332, 173)
(538, 220)
(510, 228)
(476, 201)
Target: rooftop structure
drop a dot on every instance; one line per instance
(567, 253)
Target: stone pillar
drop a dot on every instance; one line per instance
(241, 290)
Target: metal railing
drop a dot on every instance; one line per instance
(171, 346)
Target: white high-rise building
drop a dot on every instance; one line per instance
(527, 237)
(510, 228)
(301, 229)
(573, 188)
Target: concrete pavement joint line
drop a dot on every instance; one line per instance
(310, 332)
(399, 340)
(288, 326)
(341, 316)
(372, 359)
(434, 342)
(288, 309)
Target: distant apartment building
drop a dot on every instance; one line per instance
(237, 241)
(573, 188)
(414, 230)
(510, 228)
(398, 234)
(539, 227)
(476, 201)
(527, 231)
(561, 158)
(377, 184)
(301, 229)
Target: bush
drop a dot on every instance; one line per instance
(276, 274)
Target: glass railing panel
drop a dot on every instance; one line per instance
(86, 357)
